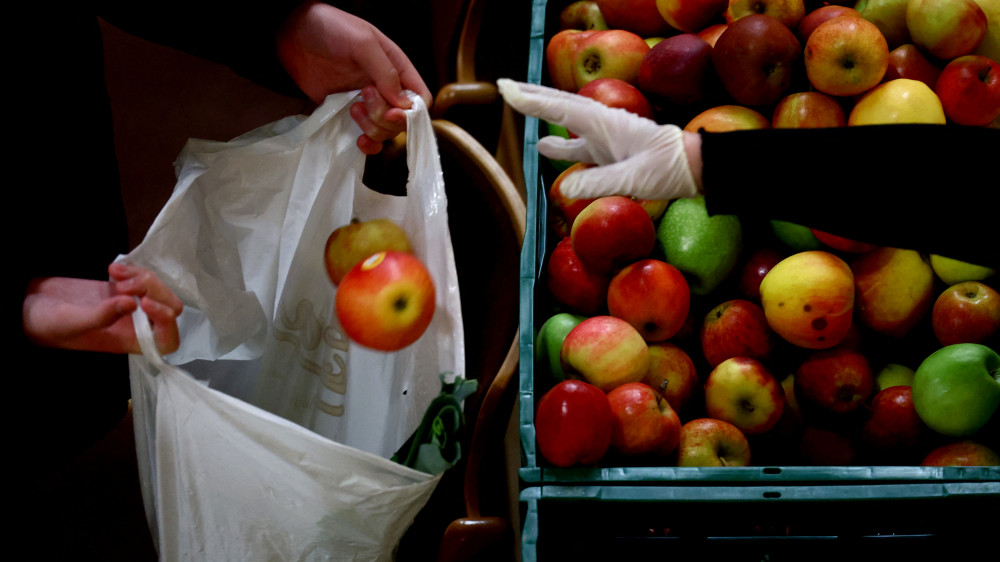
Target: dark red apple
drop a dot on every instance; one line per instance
(638, 16)
(833, 384)
(615, 92)
(813, 18)
(969, 90)
(908, 61)
(893, 429)
(966, 312)
(611, 233)
(755, 58)
(572, 285)
(678, 70)
(755, 268)
(573, 424)
(736, 328)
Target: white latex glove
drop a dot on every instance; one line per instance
(636, 156)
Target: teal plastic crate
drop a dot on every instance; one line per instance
(538, 174)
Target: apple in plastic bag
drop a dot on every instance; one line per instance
(387, 301)
(349, 244)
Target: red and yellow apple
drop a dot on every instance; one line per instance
(967, 312)
(709, 442)
(890, 18)
(606, 352)
(672, 372)
(690, 16)
(608, 53)
(743, 392)
(946, 29)
(582, 14)
(846, 56)
(349, 244)
(651, 295)
(387, 301)
(893, 290)
(563, 210)
(727, 117)
(814, 17)
(560, 57)
(808, 110)
(644, 422)
(962, 453)
(788, 12)
(615, 92)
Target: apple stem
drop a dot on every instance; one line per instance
(662, 390)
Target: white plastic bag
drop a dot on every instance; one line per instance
(267, 434)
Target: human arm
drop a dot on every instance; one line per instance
(92, 315)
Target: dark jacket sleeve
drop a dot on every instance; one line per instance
(932, 188)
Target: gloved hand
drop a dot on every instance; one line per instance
(636, 156)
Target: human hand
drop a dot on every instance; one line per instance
(636, 156)
(327, 50)
(91, 315)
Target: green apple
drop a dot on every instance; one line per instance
(705, 248)
(549, 340)
(953, 271)
(796, 236)
(559, 131)
(889, 16)
(956, 389)
(894, 374)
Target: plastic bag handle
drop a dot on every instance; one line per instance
(144, 335)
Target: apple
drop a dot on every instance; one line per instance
(743, 392)
(573, 285)
(573, 424)
(609, 53)
(690, 16)
(712, 442)
(831, 384)
(560, 57)
(962, 453)
(821, 446)
(791, 417)
(755, 58)
(612, 232)
(736, 328)
(672, 372)
(952, 271)
(678, 70)
(893, 290)
(386, 301)
(902, 100)
(990, 45)
(755, 268)
(969, 90)
(615, 92)
(712, 32)
(808, 110)
(842, 244)
(893, 374)
(908, 61)
(644, 423)
(655, 207)
(813, 18)
(967, 312)
(606, 352)
(946, 29)
(641, 17)
(582, 14)
(890, 18)
(808, 299)
(893, 429)
(788, 12)
(705, 248)
(956, 389)
(651, 295)
(846, 56)
(727, 117)
(563, 210)
(548, 342)
(796, 236)
(349, 244)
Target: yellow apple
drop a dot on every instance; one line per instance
(952, 271)
(902, 100)
(990, 45)
(722, 118)
(893, 289)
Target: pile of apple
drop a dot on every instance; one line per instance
(669, 337)
(385, 296)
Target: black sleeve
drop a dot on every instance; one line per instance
(932, 188)
(237, 34)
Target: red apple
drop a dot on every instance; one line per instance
(813, 18)
(678, 70)
(574, 286)
(609, 53)
(755, 58)
(962, 453)
(612, 232)
(969, 90)
(846, 56)
(349, 244)
(788, 12)
(712, 32)
(820, 446)
(893, 429)
(743, 392)
(560, 57)
(606, 352)
(833, 382)
(690, 16)
(582, 14)
(967, 312)
(573, 424)
(754, 270)
(386, 301)
(653, 296)
(893, 290)
(736, 328)
(672, 373)
(946, 29)
(908, 61)
(712, 442)
(808, 110)
(638, 16)
(644, 422)
(563, 210)
(842, 244)
(614, 92)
